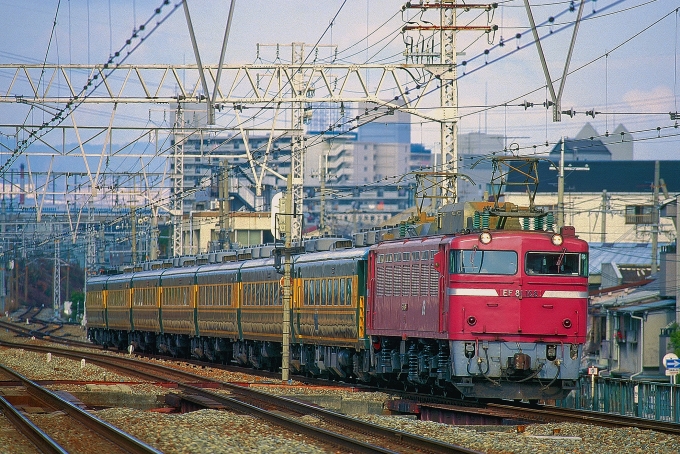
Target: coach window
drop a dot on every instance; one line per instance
(397, 257)
(407, 256)
(425, 255)
(388, 258)
(381, 258)
(483, 262)
(317, 295)
(341, 295)
(416, 256)
(324, 294)
(556, 263)
(349, 292)
(336, 292)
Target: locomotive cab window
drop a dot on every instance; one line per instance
(483, 262)
(561, 263)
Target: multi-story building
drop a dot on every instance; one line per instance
(367, 170)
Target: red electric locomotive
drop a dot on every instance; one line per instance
(495, 314)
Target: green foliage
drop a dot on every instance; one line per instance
(77, 297)
(675, 339)
(78, 304)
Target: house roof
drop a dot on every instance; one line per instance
(623, 254)
(612, 176)
(648, 306)
(632, 301)
(581, 148)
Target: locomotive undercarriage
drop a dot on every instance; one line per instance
(515, 370)
(482, 370)
(108, 338)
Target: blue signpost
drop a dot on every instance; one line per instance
(672, 364)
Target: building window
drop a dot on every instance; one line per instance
(640, 214)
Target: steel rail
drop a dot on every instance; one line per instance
(111, 433)
(40, 439)
(414, 441)
(593, 417)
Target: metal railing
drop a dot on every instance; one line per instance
(650, 400)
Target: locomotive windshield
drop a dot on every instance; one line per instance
(483, 262)
(564, 263)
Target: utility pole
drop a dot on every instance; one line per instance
(297, 148)
(442, 65)
(223, 196)
(2, 282)
(133, 233)
(287, 287)
(655, 219)
(153, 248)
(91, 256)
(560, 189)
(56, 299)
(677, 255)
(323, 169)
(560, 185)
(603, 232)
(177, 202)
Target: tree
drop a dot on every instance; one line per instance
(675, 339)
(78, 304)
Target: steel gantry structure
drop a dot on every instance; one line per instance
(266, 87)
(270, 89)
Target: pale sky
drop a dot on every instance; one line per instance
(625, 62)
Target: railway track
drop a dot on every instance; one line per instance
(548, 413)
(92, 435)
(348, 433)
(512, 411)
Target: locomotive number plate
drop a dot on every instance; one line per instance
(517, 293)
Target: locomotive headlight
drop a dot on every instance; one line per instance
(551, 352)
(557, 239)
(566, 323)
(485, 238)
(573, 351)
(469, 350)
